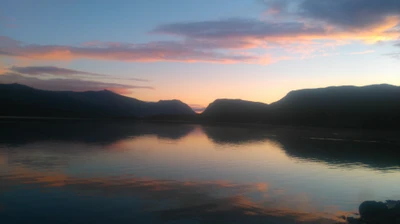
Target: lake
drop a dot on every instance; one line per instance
(127, 172)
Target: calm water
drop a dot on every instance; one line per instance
(88, 172)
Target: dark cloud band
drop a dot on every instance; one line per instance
(57, 71)
(67, 84)
(351, 13)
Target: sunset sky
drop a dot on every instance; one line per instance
(199, 50)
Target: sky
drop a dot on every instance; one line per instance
(199, 50)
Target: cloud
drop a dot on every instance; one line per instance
(276, 6)
(355, 14)
(394, 55)
(67, 84)
(299, 37)
(300, 27)
(57, 71)
(255, 33)
(51, 70)
(363, 52)
(149, 52)
(244, 34)
(5, 53)
(239, 28)
(7, 42)
(305, 21)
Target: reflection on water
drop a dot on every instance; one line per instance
(115, 172)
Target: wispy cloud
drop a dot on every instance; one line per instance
(57, 71)
(149, 52)
(67, 84)
(51, 70)
(5, 53)
(7, 42)
(255, 33)
(240, 28)
(363, 52)
(395, 55)
(276, 6)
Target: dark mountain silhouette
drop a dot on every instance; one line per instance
(20, 100)
(375, 106)
(346, 106)
(230, 110)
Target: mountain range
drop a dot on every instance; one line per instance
(20, 100)
(374, 106)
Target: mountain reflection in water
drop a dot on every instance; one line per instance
(122, 172)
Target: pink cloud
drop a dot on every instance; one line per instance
(225, 41)
(301, 38)
(149, 52)
(252, 32)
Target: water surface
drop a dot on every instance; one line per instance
(125, 172)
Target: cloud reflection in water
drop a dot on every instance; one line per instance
(208, 175)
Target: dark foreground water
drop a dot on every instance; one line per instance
(122, 172)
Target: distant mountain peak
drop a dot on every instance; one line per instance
(171, 101)
(227, 100)
(232, 106)
(340, 91)
(17, 85)
(106, 91)
(348, 87)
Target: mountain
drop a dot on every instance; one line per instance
(20, 100)
(234, 110)
(375, 106)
